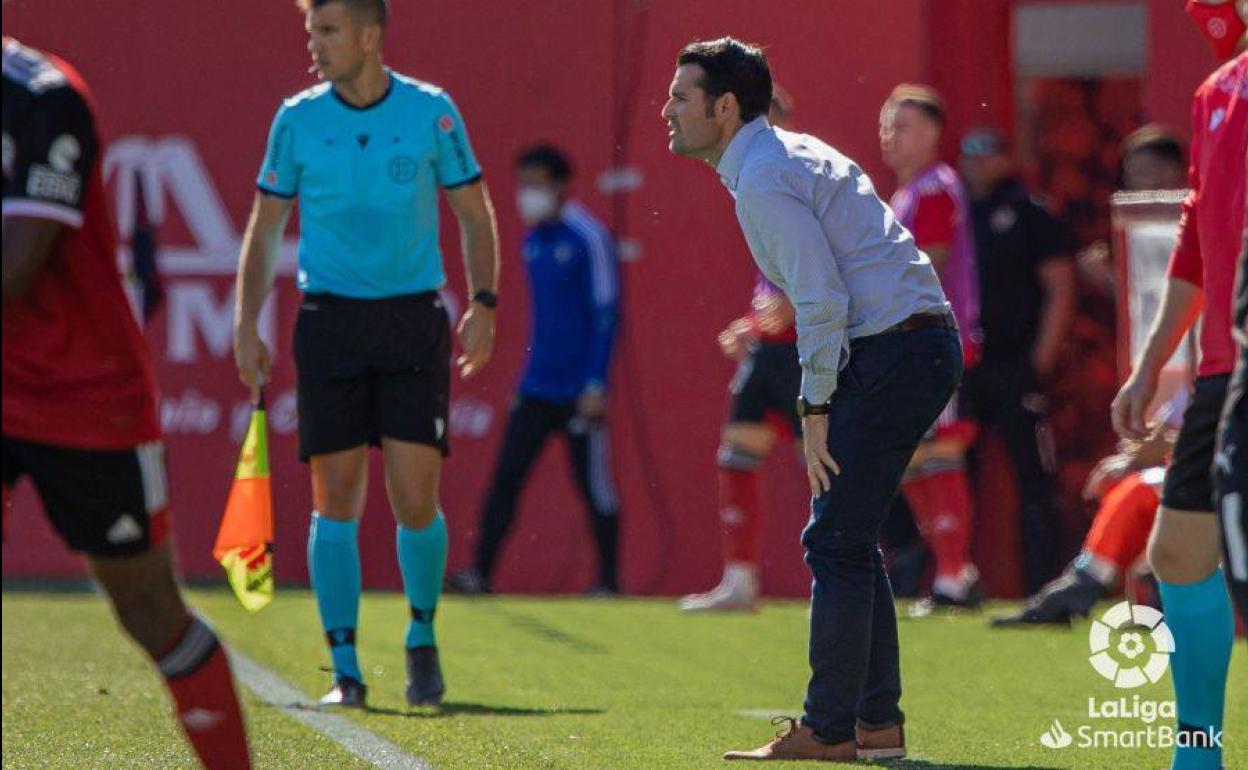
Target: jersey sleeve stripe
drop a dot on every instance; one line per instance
(274, 193)
(604, 280)
(37, 209)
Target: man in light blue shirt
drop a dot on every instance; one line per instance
(365, 152)
(880, 358)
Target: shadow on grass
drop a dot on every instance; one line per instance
(923, 764)
(451, 708)
(539, 628)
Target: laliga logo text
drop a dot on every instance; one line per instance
(1131, 647)
(1120, 643)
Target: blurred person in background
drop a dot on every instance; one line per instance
(80, 399)
(1127, 483)
(574, 286)
(1185, 548)
(1152, 158)
(931, 203)
(1027, 290)
(763, 407)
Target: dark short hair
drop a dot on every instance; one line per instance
(923, 98)
(546, 156)
(366, 11)
(730, 66)
(1156, 139)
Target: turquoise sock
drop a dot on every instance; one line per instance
(422, 559)
(1199, 617)
(334, 564)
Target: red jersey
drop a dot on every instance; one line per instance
(76, 371)
(1212, 223)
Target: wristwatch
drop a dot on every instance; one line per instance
(806, 409)
(486, 298)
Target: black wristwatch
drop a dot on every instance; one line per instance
(806, 409)
(486, 298)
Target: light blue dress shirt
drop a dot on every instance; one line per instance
(818, 230)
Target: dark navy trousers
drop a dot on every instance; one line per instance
(891, 392)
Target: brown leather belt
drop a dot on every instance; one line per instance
(923, 321)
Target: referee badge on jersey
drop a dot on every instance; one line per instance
(402, 169)
(1003, 218)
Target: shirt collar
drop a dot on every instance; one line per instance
(733, 159)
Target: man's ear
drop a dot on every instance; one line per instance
(725, 105)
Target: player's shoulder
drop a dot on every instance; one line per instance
(1230, 78)
(37, 77)
(582, 226)
(419, 91)
(307, 99)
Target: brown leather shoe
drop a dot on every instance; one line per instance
(798, 741)
(885, 743)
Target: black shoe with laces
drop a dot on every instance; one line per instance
(1071, 595)
(424, 676)
(347, 692)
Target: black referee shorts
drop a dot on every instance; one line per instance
(368, 368)
(1189, 479)
(769, 380)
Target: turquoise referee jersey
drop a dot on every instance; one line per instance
(367, 180)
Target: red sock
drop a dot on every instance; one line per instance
(740, 515)
(942, 508)
(197, 672)
(1120, 530)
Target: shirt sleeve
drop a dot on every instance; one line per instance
(933, 220)
(54, 151)
(604, 298)
(456, 163)
(1185, 261)
(279, 174)
(788, 231)
(1046, 237)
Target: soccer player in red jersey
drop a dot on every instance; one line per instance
(80, 406)
(1185, 546)
(932, 205)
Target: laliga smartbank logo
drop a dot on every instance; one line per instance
(1130, 646)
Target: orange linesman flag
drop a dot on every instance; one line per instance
(245, 541)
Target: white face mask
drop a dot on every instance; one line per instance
(536, 204)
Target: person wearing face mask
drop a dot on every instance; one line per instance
(1185, 545)
(573, 278)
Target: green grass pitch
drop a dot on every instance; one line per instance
(561, 683)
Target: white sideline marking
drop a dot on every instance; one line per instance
(366, 745)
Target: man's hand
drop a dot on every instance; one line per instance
(773, 313)
(815, 448)
(592, 405)
(734, 342)
(251, 356)
(476, 337)
(1106, 473)
(1127, 411)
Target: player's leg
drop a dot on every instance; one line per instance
(1116, 540)
(745, 441)
(938, 490)
(528, 427)
(1184, 551)
(339, 489)
(589, 446)
(184, 648)
(111, 507)
(1231, 484)
(335, 418)
(1019, 415)
(413, 473)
